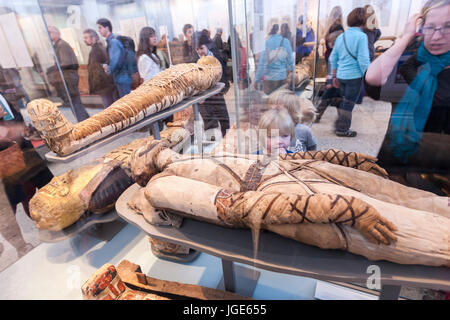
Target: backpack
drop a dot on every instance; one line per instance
(127, 43)
(130, 51)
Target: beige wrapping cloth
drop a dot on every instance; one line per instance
(315, 202)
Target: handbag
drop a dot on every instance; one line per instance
(11, 158)
(136, 80)
(277, 54)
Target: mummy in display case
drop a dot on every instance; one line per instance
(329, 199)
(168, 88)
(93, 188)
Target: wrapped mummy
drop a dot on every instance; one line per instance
(163, 91)
(94, 187)
(332, 200)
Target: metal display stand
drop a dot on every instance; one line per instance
(282, 255)
(151, 120)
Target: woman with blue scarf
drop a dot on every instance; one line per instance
(418, 137)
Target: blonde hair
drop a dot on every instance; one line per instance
(433, 4)
(300, 110)
(277, 119)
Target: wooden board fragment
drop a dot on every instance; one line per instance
(131, 274)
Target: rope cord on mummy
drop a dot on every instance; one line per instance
(250, 207)
(329, 199)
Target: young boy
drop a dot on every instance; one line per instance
(302, 112)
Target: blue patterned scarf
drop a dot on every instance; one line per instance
(411, 114)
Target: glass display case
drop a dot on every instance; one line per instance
(308, 47)
(374, 119)
(34, 66)
(28, 52)
(276, 61)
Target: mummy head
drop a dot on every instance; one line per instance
(50, 123)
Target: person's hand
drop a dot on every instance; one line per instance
(411, 26)
(12, 131)
(2, 113)
(3, 133)
(336, 83)
(17, 132)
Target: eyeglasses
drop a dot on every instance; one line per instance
(431, 30)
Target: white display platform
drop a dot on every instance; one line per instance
(57, 271)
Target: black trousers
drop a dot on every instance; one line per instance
(331, 97)
(272, 85)
(350, 91)
(214, 111)
(79, 111)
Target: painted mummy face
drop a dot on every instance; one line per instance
(67, 197)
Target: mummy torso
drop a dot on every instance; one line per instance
(247, 173)
(423, 224)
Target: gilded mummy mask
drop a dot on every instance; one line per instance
(66, 198)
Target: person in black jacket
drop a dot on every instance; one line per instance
(99, 82)
(189, 53)
(218, 42)
(335, 24)
(371, 29)
(214, 109)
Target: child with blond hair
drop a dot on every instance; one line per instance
(275, 131)
(302, 112)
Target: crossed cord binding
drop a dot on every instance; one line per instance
(348, 159)
(249, 208)
(180, 79)
(255, 209)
